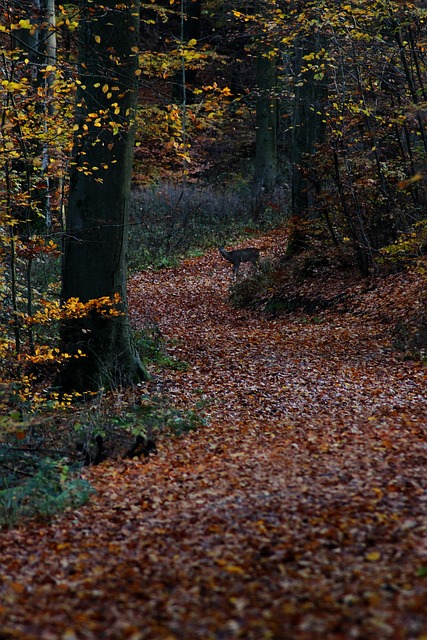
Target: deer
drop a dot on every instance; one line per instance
(236, 257)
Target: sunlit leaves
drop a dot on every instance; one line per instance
(44, 355)
(105, 307)
(27, 130)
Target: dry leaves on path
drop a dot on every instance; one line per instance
(297, 512)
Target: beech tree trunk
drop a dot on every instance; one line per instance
(266, 125)
(308, 128)
(95, 245)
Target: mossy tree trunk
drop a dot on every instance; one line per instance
(95, 245)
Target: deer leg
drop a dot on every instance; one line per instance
(256, 264)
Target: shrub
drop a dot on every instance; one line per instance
(52, 489)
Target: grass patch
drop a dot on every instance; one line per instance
(151, 347)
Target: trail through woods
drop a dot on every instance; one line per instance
(298, 512)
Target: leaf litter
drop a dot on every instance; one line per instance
(297, 512)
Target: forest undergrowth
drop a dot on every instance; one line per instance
(298, 511)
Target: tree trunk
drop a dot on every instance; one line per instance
(95, 246)
(308, 128)
(266, 125)
(185, 80)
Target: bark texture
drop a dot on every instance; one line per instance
(308, 128)
(266, 124)
(95, 246)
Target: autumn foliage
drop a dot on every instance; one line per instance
(267, 480)
(297, 511)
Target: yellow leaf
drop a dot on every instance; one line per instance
(98, 39)
(25, 24)
(373, 556)
(405, 183)
(232, 568)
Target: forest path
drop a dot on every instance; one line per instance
(297, 512)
